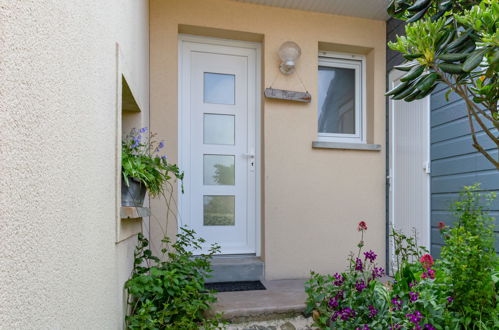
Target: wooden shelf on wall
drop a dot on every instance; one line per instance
(132, 212)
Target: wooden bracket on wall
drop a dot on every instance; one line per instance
(280, 94)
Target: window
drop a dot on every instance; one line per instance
(341, 115)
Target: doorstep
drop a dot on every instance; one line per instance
(235, 268)
(283, 298)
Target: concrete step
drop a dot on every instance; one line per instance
(282, 299)
(236, 268)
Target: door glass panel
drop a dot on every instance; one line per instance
(218, 170)
(218, 129)
(219, 88)
(336, 100)
(219, 210)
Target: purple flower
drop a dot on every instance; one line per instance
(360, 285)
(414, 318)
(395, 327)
(450, 299)
(333, 302)
(335, 315)
(161, 145)
(136, 141)
(365, 327)
(339, 279)
(370, 255)
(378, 272)
(372, 311)
(413, 284)
(143, 130)
(347, 313)
(358, 265)
(164, 157)
(429, 326)
(397, 303)
(413, 296)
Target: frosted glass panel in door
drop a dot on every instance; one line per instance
(219, 210)
(218, 170)
(219, 88)
(218, 129)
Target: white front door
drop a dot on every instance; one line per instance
(218, 121)
(410, 165)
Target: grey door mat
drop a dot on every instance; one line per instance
(235, 286)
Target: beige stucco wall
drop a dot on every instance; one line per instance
(312, 199)
(60, 265)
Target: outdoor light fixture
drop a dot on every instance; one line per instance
(289, 52)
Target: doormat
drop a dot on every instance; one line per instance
(235, 286)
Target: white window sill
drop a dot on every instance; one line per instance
(346, 146)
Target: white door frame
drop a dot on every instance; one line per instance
(183, 99)
(394, 75)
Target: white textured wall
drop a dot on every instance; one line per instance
(60, 267)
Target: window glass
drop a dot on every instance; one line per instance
(336, 99)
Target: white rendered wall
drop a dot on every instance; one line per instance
(60, 265)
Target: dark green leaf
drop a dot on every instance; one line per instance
(413, 73)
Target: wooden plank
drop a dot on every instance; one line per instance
(288, 95)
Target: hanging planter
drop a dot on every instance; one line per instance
(143, 168)
(133, 194)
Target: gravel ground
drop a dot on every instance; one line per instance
(296, 323)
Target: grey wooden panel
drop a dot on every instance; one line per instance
(393, 28)
(437, 239)
(462, 164)
(435, 250)
(454, 183)
(393, 62)
(457, 128)
(393, 24)
(449, 218)
(442, 202)
(459, 146)
(438, 99)
(448, 113)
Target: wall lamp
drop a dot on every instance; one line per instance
(289, 52)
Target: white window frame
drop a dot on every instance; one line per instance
(358, 63)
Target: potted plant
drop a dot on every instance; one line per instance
(143, 167)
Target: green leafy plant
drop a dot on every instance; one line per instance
(469, 261)
(169, 292)
(455, 43)
(406, 250)
(141, 160)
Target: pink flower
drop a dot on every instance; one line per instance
(427, 261)
(441, 225)
(362, 226)
(429, 274)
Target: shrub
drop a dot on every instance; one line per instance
(469, 260)
(170, 294)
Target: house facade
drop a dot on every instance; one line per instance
(296, 194)
(279, 184)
